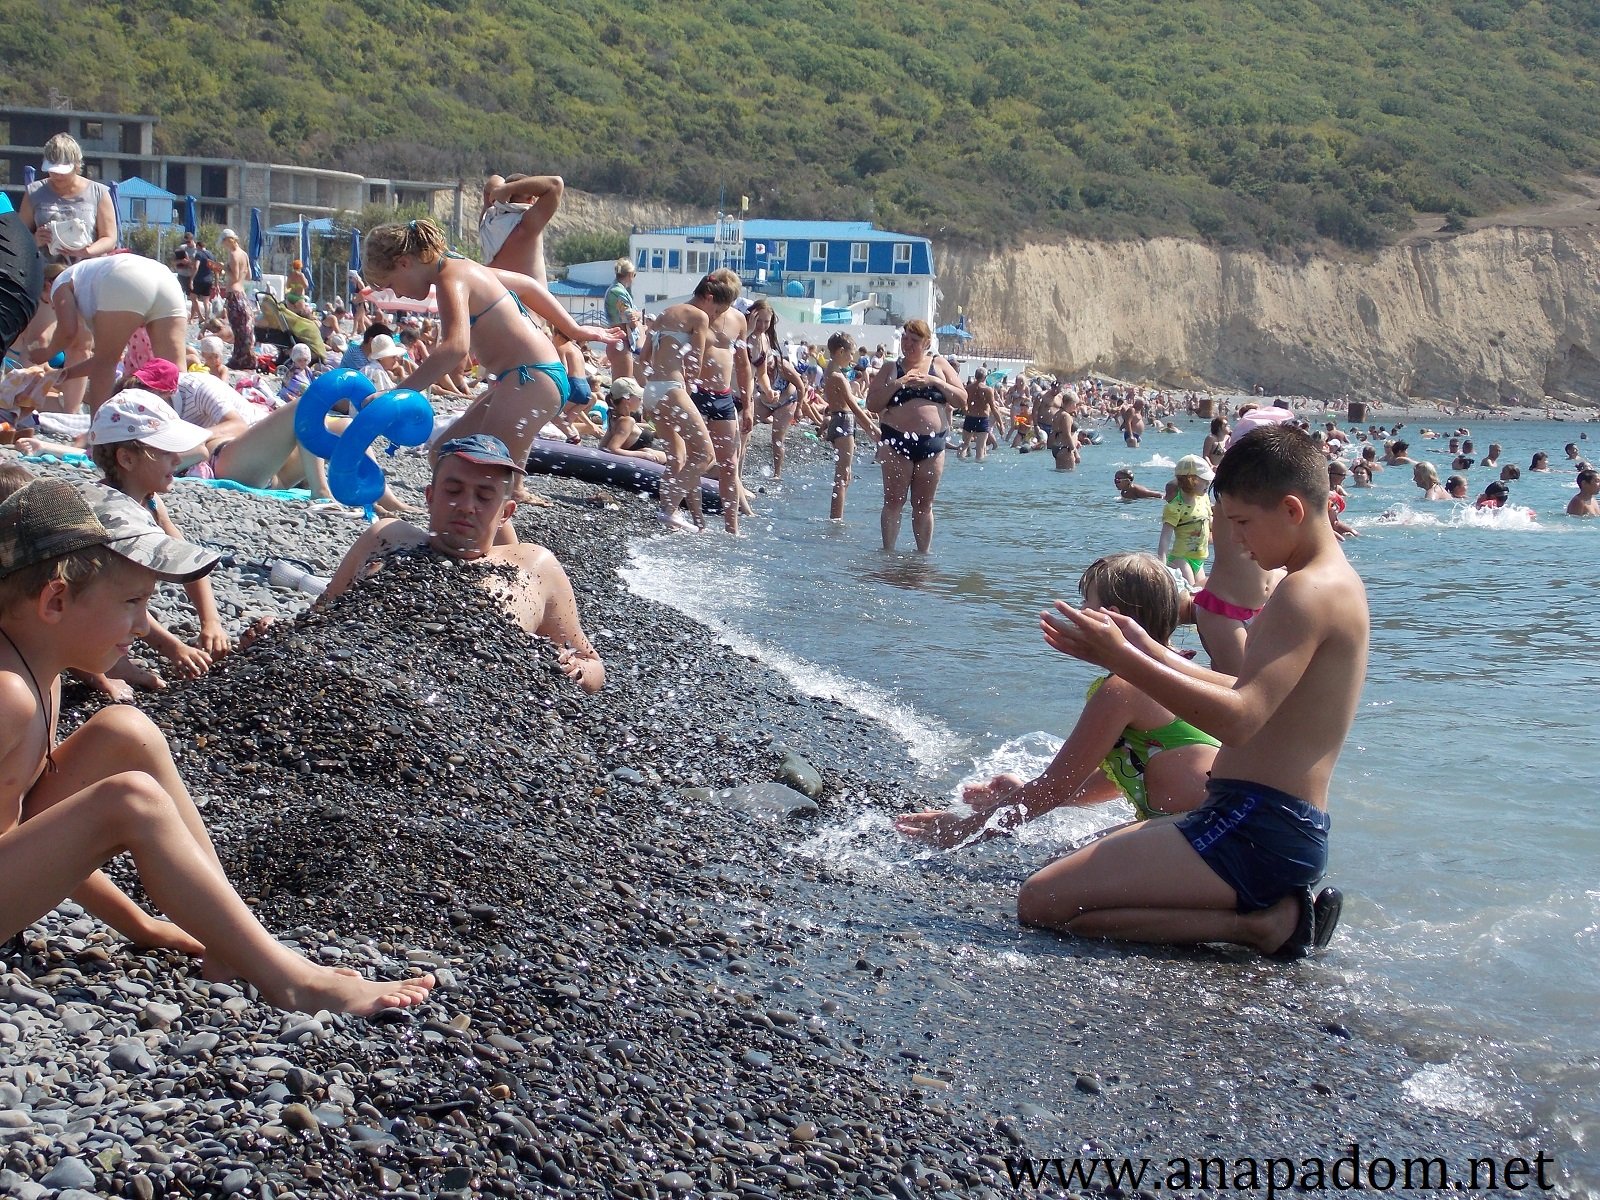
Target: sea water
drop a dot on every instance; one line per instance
(1463, 829)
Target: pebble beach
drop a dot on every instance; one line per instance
(646, 986)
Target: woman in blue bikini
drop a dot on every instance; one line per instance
(482, 311)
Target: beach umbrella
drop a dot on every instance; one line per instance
(255, 246)
(954, 331)
(190, 225)
(29, 175)
(355, 264)
(116, 212)
(305, 256)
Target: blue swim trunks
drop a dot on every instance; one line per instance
(1264, 843)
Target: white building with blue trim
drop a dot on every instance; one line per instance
(817, 275)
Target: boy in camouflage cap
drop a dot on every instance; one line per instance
(75, 577)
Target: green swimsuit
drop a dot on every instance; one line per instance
(1125, 765)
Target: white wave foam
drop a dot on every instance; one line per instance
(716, 594)
(1454, 516)
(1450, 1088)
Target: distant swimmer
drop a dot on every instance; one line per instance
(1584, 503)
(1129, 490)
(1541, 462)
(1426, 477)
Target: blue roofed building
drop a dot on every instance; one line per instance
(836, 272)
(140, 202)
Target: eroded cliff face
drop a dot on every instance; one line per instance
(1495, 314)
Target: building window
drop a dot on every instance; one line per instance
(93, 131)
(674, 260)
(819, 256)
(644, 257)
(858, 256)
(658, 260)
(902, 256)
(177, 179)
(214, 181)
(780, 251)
(136, 210)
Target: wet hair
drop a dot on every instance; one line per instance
(840, 341)
(1138, 585)
(421, 239)
(1218, 427)
(1398, 447)
(1510, 471)
(1271, 462)
(64, 148)
(917, 328)
(720, 287)
(77, 570)
(13, 477)
(1456, 481)
(1588, 476)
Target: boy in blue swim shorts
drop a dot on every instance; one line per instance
(1241, 867)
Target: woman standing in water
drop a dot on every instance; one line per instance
(912, 398)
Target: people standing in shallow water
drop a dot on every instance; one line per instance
(1124, 744)
(75, 578)
(844, 416)
(680, 336)
(1585, 504)
(1426, 476)
(911, 398)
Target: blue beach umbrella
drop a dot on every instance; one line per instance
(255, 244)
(116, 212)
(355, 264)
(190, 225)
(305, 256)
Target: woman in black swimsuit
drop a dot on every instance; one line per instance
(912, 399)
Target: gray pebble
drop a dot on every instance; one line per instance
(69, 1173)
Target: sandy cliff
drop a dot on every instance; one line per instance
(1495, 313)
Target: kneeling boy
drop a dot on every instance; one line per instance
(75, 575)
(1240, 868)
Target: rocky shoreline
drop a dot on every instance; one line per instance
(649, 985)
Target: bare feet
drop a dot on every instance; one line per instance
(141, 677)
(677, 523)
(164, 935)
(340, 991)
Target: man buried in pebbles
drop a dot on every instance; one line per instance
(76, 571)
(468, 501)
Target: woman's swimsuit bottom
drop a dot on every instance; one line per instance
(975, 425)
(1263, 843)
(525, 373)
(1125, 765)
(655, 393)
(916, 447)
(1212, 603)
(841, 424)
(714, 406)
(582, 392)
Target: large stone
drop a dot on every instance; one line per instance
(799, 774)
(770, 800)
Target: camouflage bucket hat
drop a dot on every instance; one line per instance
(131, 531)
(43, 520)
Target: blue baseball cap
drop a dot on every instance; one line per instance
(482, 448)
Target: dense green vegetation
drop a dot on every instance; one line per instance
(1273, 122)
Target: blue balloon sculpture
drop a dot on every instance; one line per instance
(402, 415)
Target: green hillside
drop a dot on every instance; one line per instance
(1277, 123)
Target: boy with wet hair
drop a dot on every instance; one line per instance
(1239, 868)
(76, 572)
(1584, 503)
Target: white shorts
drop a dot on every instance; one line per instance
(496, 226)
(151, 291)
(655, 393)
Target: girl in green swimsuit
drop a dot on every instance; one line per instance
(1124, 745)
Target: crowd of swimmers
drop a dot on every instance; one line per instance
(1227, 766)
